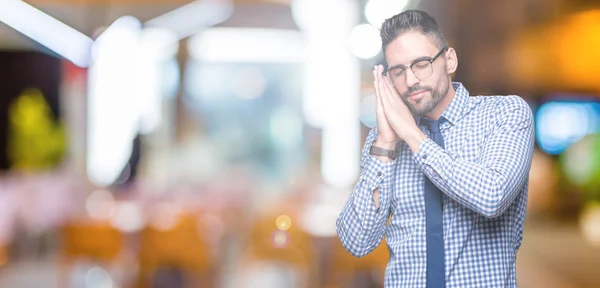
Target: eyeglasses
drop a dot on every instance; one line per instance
(422, 68)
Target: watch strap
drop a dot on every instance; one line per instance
(378, 151)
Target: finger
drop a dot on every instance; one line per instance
(380, 73)
(385, 93)
(376, 87)
(382, 77)
(375, 81)
(391, 87)
(383, 89)
(375, 72)
(387, 105)
(395, 99)
(395, 96)
(378, 99)
(393, 91)
(378, 107)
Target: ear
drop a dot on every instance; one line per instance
(451, 60)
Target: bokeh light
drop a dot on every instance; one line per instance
(560, 124)
(97, 277)
(364, 41)
(280, 239)
(100, 204)
(128, 217)
(589, 224)
(283, 222)
(377, 11)
(581, 165)
(164, 216)
(368, 114)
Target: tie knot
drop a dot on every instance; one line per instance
(432, 125)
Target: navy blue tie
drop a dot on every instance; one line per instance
(433, 218)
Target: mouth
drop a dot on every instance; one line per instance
(417, 94)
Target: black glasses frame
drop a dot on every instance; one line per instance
(385, 71)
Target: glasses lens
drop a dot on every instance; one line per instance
(422, 69)
(396, 75)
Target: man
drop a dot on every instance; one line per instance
(449, 169)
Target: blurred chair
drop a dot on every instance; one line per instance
(88, 240)
(345, 270)
(273, 257)
(176, 252)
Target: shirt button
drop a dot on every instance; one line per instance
(378, 173)
(425, 156)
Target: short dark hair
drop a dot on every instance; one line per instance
(408, 21)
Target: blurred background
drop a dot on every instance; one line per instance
(213, 143)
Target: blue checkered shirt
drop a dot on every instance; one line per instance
(483, 174)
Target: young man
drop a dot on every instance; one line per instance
(451, 170)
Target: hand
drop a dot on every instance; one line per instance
(386, 137)
(398, 116)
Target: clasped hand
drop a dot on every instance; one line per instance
(395, 122)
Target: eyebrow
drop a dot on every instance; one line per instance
(413, 62)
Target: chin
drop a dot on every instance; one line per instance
(421, 109)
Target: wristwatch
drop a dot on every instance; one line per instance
(378, 151)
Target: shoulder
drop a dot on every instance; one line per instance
(512, 103)
(504, 106)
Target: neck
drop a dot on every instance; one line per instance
(441, 107)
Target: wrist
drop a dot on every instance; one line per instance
(384, 150)
(414, 139)
(389, 145)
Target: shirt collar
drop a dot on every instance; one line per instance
(455, 110)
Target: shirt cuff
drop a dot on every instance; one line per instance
(376, 172)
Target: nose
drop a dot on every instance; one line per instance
(411, 78)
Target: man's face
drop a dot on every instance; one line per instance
(421, 94)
